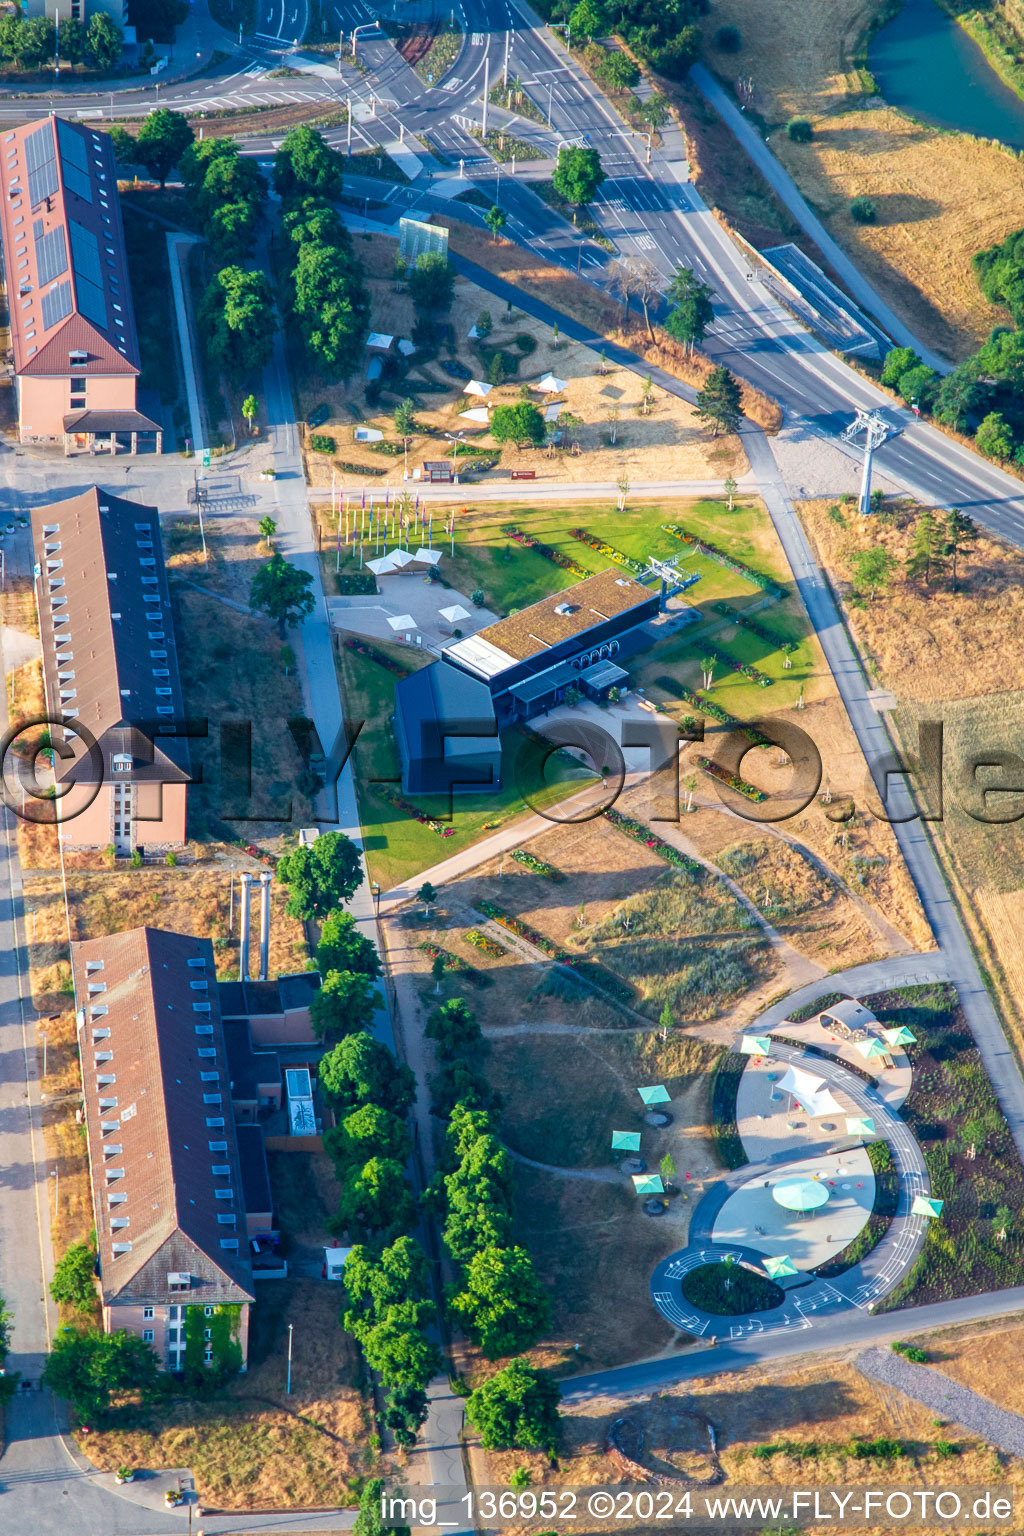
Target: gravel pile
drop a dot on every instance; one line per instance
(946, 1398)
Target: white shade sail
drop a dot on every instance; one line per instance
(453, 614)
(428, 556)
(479, 413)
(550, 384)
(477, 387)
(403, 621)
(811, 1090)
(381, 566)
(400, 558)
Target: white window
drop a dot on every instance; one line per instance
(122, 764)
(147, 1313)
(147, 1335)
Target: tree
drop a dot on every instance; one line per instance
(587, 20)
(360, 1070)
(927, 551)
(231, 228)
(636, 276)
(238, 320)
(655, 110)
(428, 895)
(370, 1521)
(666, 1021)
(800, 130)
(104, 41)
(369, 1131)
(872, 570)
(250, 408)
(1001, 358)
(331, 305)
(437, 971)
(898, 361)
(729, 487)
(863, 211)
(459, 1082)
(1000, 273)
(728, 40)
(502, 1305)
(74, 40)
(163, 138)
(718, 402)
(400, 1355)
(959, 397)
(305, 163)
(343, 948)
(516, 1409)
(431, 283)
(229, 177)
(617, 71)
(918, 386)
(321, 875)
(495, 218)
(266, 527)
(961, 532)
(692, 308)
(517, 423)
(995, 436)
(283, 592)
(578, 175)
(73, 1284)
(374, 1197)
(123, 145)
(88, 1367)
(454, 1027)
(345, 1003)
(405, 418)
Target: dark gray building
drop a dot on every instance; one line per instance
(446, 732)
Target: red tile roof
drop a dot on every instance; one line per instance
(153, 1065)
(67, 275)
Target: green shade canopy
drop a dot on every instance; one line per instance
(923, 1206)
(776, 1268)
(648, 1184)
(800, 1194)
(755, 1045)
(869, 1049)
(860, 1125)
(659, 1094)
(625, 1141)
(901, 1036)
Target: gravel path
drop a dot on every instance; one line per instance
(946, 1397)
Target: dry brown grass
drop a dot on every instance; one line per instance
(828, 1404)
(941, 196)
(252, 1448)
(987, 1361)
(930, 644)
(183, 900)
(572, 296)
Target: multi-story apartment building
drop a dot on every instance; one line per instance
(167, 1187)
(111, 673)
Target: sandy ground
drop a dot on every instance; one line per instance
(667, 443)
(941, 196)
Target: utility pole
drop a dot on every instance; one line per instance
(348, 137)
(504, 73)
(199, 508)
(487, 77)
(876, 431)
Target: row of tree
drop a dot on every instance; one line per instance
(31, 42)
(938, 544)
(665, 34)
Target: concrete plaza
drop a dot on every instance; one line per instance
(752, 1216)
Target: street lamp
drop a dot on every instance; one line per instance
(561, 26)
(369, 26)
(55, 1174)
(290, 1328)
(456, 438)
(376, 899)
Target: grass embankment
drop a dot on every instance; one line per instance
(940, 195)
(973, 1165)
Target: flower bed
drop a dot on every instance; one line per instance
(715, 711)
(537, 866)
(739, 785)
(721, 558)
(370, 653)
(609, 551)
(392, 796)
(524, 931)
(564, 562)
(489, 947)
(454, 964)
(735, 665)
(642, 834)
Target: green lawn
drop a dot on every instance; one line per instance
(513, 577)
(396, 845)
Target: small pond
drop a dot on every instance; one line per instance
(925, 63)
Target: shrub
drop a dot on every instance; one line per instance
(800, 130)
(526, 343)
(728, 40)
(863, 211)
(321, 443)
(911, 1352)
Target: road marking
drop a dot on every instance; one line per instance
(452, 85)
(477, 39)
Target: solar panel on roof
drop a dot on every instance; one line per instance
(85, 262)
(56, 305)
(51, 255)
(74, 163)
(42, 164)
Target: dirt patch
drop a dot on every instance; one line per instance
(665, 442)
(941, 196)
